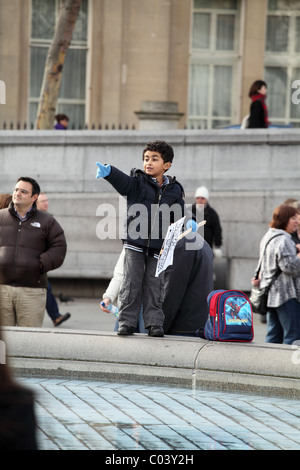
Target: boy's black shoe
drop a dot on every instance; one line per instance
(125, 330)
(156, 331)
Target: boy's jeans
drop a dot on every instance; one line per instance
(140, 286)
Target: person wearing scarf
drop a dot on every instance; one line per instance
(258, 110)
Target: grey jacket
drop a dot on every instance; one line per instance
(280, 252)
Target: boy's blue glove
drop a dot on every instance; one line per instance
(192, 224)
(102, 170)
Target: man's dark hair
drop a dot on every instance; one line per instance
(35, 186)
(162, 147)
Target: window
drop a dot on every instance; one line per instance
(71, 99)
(282, 60)
(214, 63)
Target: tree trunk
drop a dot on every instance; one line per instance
(68, 13)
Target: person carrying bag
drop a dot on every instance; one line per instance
(277, 278)
(259, 296)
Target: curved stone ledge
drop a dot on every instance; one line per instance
(172, 360)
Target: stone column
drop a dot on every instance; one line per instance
(253, 48)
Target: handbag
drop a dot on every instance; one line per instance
(259, 297)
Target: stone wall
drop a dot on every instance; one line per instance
(248, 173)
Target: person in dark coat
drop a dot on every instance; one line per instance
(32, 243)
(187, 284)
(212, 228)
(258, 117)
(62, 122)
(51, 304)
(18, 426)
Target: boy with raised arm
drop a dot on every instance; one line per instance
(145, 228)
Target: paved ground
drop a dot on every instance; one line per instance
(87, 315)
(89, 415)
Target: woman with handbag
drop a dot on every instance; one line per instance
(280, 267)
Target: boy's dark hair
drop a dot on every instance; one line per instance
(35, 186)
(256, 86)
(162, 147)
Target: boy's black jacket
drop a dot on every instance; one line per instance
(148, 214)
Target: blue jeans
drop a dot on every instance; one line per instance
(283, 323)
(51, 304)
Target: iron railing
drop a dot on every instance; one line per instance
(30, 126)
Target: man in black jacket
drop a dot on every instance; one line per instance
(187, 284)
(31, 243)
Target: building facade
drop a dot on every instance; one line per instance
(201, 55)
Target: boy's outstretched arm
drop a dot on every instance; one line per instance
(124, 184)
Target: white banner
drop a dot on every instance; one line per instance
(173, 235)
(167, 253)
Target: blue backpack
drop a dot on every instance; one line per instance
(230, 316)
